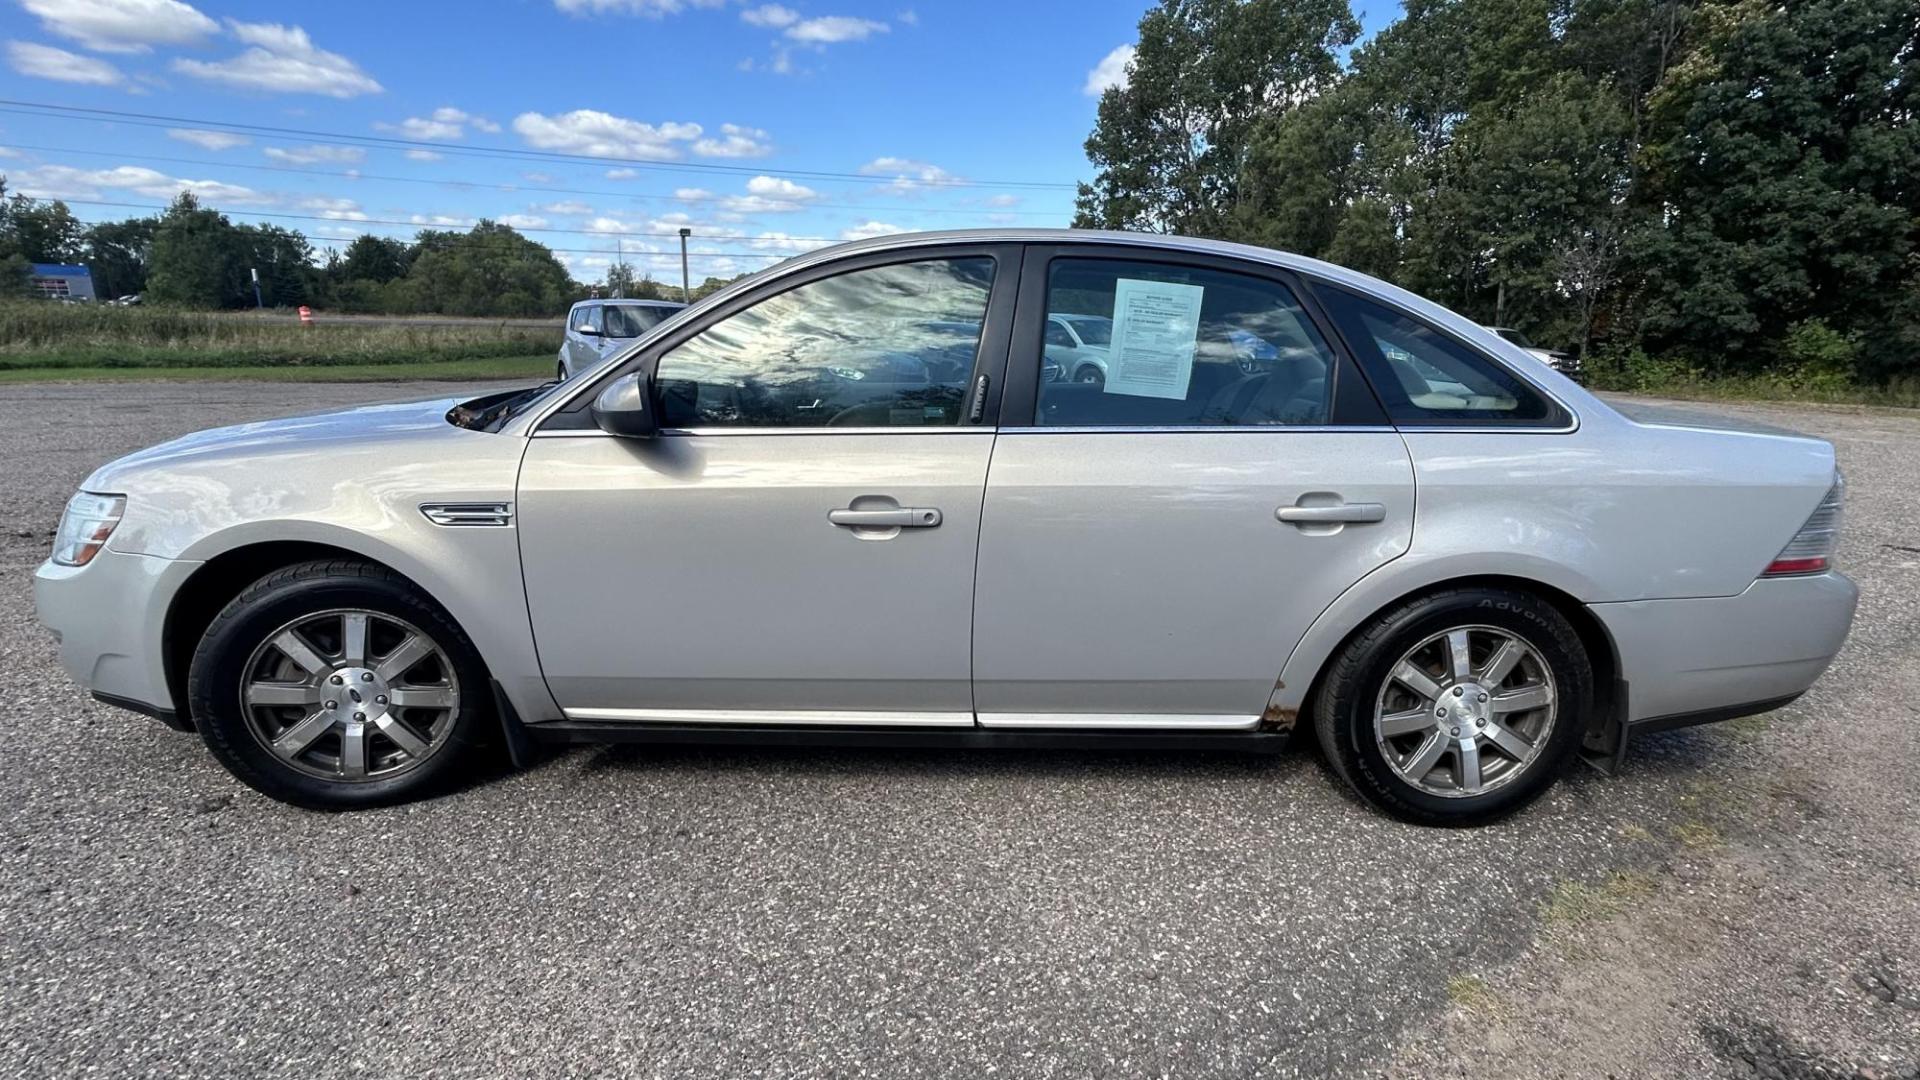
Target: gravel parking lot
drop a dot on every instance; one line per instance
(1744, 900)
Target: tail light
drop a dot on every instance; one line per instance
(1811, 549)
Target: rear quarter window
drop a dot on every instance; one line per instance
(1424, 376)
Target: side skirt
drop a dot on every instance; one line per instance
(576, 732)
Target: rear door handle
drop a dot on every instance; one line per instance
(1351, 513)
(905, 517)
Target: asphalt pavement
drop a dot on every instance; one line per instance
(1744, 898)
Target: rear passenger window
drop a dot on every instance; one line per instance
(1156, 345)
(1423, 375)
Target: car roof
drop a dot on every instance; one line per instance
(625, 302)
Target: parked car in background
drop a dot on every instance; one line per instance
(836, 503)
(1077, 346)
(599, 328)
(1563, 362)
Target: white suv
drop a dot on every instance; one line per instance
(595, 328)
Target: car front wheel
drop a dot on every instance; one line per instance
(1456, 708)
(335, 685)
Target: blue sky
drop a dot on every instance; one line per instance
(593, 125)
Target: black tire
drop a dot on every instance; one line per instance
(1355, 677)
(1090, 376)
(217, 669)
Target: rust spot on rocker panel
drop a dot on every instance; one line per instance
(1277, 717)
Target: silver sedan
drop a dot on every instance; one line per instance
(838, 503)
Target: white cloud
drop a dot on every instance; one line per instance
(598, 134)
(870, 229)
(65, 182)
(908, 17)
(1110, 72)
(779, 241)
(832, 29)
(122, 26)
(735, 142)
(445, 125)
(568, 206)
(652, 9)
(610, 225)
(316, 154)
(425, 155)
(522, 221)
(335, 209)
(770, 16)
(537, 177)
(208, 140)
(441, 221)
(693, 194)
(47, 62)
(769, 195)
(1003, 200)
(282, 59)
(622, 174)
(909, 177)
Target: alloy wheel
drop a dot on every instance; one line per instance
(1466, 711)
(350, 695)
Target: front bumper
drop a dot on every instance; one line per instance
(1719, 657)
(110, 617)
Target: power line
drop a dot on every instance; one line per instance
(711, 253)
(357, 175)
(161, 120)
(347, 221)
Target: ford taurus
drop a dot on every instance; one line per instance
(848, 500)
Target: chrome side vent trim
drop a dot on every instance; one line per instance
(489, 515)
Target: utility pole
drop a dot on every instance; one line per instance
(686, 284)
(257, 302)
(620, 260)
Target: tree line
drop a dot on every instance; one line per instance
(1732, 185)
(192, 256)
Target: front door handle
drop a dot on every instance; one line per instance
(1338, 513)
(905, 517)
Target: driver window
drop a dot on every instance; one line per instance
(890, 346)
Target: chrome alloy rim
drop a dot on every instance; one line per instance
(350, 695)
(1466, 711)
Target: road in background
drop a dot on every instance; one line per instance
(812, 913)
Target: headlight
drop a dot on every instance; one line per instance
(85, 526)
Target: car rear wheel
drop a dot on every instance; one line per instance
(337, 684)
(1456, 708)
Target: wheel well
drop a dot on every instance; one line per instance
(214, 585)
(1607, 701)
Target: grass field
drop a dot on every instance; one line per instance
(42, 341)
(530, 368)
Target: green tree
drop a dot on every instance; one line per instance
(195, 259)
(1784, 163)
(378, 259)
(1169, 145)
(491, 270)
(118, 253)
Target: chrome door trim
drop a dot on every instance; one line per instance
(1131, 721)
(775, 717)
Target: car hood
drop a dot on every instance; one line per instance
(398, 422)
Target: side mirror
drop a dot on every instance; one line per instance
(623, 408)
(588, 331)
